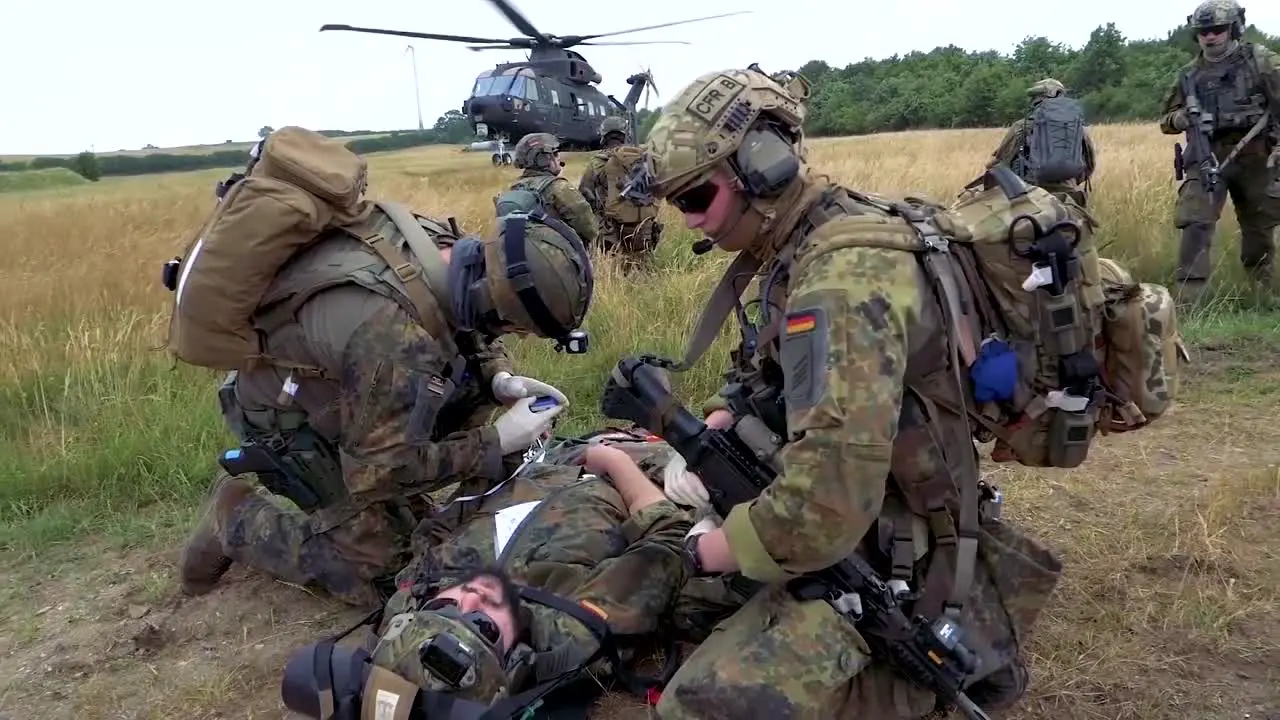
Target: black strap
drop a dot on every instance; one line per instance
(520, 278)
(518, 274)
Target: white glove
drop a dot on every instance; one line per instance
(508, 388)
(519, 426)
(703, 526)
(683, 487)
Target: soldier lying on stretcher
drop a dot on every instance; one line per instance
(577, 555)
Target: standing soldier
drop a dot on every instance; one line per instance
(542, 186)
(627, 226)
(1237, 88)
(1051, 147)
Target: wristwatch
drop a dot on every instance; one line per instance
(692, 563)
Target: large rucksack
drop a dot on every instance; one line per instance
(1054, 147)
(620, 164)
(1054, 357)
(298, 186)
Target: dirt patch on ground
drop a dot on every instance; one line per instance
(1168, 608)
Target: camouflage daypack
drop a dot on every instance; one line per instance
(524, 196)
(1045, 373)
(621, 163)
(1054, 149)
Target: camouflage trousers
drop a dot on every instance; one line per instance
(352, 555)
(779, 657)
(350, 560)
(633, 244)
(1197, 213)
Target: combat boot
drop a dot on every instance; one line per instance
(203, 561)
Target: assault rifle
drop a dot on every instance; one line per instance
(928, 653)
(1199, 131)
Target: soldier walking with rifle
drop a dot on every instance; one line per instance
(1225, 101)
(848, 484)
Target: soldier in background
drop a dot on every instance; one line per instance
(628, 227)
(1015, 150)
(542, 187)
(1237, 83)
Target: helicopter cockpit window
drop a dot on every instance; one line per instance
(517, 87)
(484, 85)
(531, 90)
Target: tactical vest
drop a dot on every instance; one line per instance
(1231, 91)
(927, 500)
(338, 259)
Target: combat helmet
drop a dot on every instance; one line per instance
(707, 124)
(1218, 13)
(536, 151)
(1046, 88)
(533, 276)
(613, 124)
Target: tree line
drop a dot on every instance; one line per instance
(451, 128)
(1115, 78)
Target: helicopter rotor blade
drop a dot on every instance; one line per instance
(519, 20)
(406, 33)
(577, 39)
(639, 42)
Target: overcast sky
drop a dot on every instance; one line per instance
(119, 75)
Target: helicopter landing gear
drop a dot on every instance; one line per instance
(501, 156)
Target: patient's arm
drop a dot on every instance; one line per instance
(636, 489)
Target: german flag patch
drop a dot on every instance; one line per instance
(801, 322)
(803, 346)
(595, 609)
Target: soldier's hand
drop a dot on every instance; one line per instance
(508, 388)
(1179, 119)
(521, 425)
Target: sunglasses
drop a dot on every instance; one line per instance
(1215, 30)
(697, 198)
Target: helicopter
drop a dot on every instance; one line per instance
(552, 90)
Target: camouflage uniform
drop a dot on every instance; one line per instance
(396, 412)
(634, 242)
(858, 349)
(535, 154)
(580, 542)
(1237, 81)
(1076, 190)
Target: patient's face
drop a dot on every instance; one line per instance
(483, 594)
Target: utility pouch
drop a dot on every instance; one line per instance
(315, 464)
(230, 407)
(1070, 434)
(1062, 332)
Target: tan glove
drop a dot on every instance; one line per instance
(1179, 119)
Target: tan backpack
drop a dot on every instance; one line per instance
(1142, 347)
(299, 186)
(620, 163)
(995, 240)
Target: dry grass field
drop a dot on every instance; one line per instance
(1170, 536)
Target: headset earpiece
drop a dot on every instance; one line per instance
(766, 162)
